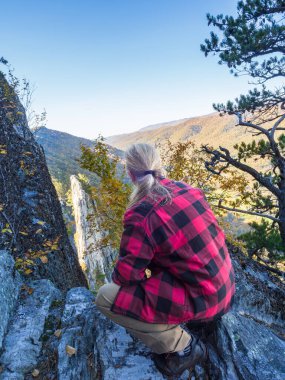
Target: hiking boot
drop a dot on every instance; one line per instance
(172, 364)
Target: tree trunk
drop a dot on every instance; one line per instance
(282, 216)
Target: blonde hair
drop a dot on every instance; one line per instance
(139, 158)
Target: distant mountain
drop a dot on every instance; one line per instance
(167, 124)
(211, 128)
(61, 149)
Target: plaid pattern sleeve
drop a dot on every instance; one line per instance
(135, 253)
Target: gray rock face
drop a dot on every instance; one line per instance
(10, 281)
(241, 346)
(246, 350)
(31, 219)
(104, 350)
(22, 343)
(79, 323)
(248, 342)
(120, 356)
(93, 259)
(258, 293)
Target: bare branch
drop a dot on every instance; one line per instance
(278, 122)
(219, 205)
(254, 173)
(251, 125)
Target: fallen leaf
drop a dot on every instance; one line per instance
(30, 290)
(44, 259)
(6, 230)
(57, 333)
(70, 350)
(40, 222)
(35, 372)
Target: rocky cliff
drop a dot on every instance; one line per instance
(54, 336)
(95, 261)
(31, 222)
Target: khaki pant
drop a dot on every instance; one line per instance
(160, 338)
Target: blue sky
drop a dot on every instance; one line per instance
(114, 66)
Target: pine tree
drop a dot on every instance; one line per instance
(253, 44)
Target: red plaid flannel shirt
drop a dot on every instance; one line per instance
(192, 277)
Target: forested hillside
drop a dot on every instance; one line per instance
(61, 150)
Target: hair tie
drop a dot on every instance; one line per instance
(153, 172)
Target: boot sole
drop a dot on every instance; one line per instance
(173, 376)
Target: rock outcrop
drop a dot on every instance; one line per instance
(248, 342)
(95, 261)
(10, 281)
(31, 222)
(66, 337)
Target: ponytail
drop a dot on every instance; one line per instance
(144, 164)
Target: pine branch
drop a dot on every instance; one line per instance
(270, 136)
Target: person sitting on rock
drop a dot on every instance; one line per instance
(169, 229)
